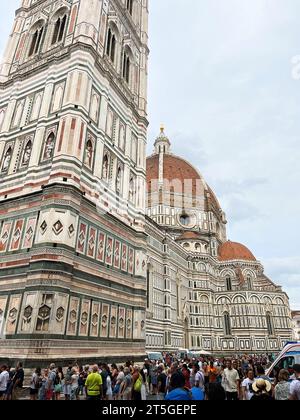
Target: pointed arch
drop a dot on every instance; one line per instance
(35, 40)
(27, 153)
(49, 146)
(59, 24)
(7, 159)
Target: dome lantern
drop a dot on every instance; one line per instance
(162, 143)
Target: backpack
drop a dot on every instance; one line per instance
(38, 382)
(138, 384)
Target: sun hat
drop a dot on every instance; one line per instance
(261, 385)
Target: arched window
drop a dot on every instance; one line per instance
(111, 45)
(36, 40)
(129, 6)
(249, 282)
(59, 29)
(228, 284)
(270, 324)
(126, 67)
(227, 324)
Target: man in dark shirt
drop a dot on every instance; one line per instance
(161, 383)
(18, 380)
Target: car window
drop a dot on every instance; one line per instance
(285, 363)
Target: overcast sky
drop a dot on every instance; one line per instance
(221, 80)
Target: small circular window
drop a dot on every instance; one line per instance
(185, 220)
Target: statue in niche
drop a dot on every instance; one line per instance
(88, 158)
(131, 189)
(118, 180)
(49, 148)
(27, 154)
(105, 168)
(7, 160)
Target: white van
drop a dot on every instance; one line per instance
(155, 356)
(289, 357)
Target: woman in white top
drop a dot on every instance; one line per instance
(247, 392)
(74, 384)
(109, 393)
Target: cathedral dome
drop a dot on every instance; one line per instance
(178, 196)
(230, 251)
(174, 168)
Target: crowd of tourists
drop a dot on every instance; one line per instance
(169, 379)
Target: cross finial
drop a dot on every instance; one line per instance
(162, 128)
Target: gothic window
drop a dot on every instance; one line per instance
(228, 284)
(49, 147)
(57, 97)
(2, 115)
(111, 45)
(129, 6)
(126, 67)
(122, 136)
(270, 324)
(26, 153)
(36, 40)
(59, 29)
(227, 324)
(119, 180)
(7, 159)
(249, 282)
(36, 107)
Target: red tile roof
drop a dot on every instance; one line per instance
(234, 251)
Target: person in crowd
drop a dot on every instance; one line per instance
(215, 392)
(17, 381)
(262, 389)
(178, 391)
(58, 384)
(212, 372)
(68, 382)
(42, 390)
(117, 387)
(230, 382)
(114, 374)
(261, 373)
(186, 373)
(93, 384)
(126, 386)
(200, 380)
(4, 378)
(153, 378)
(247, 391)
(137, 382)
(295, 385)
(282, 389)
(51, 382)
(74, 384)
(161, 383)
(35, 384)
(109, 392)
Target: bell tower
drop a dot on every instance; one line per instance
(73, 126)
